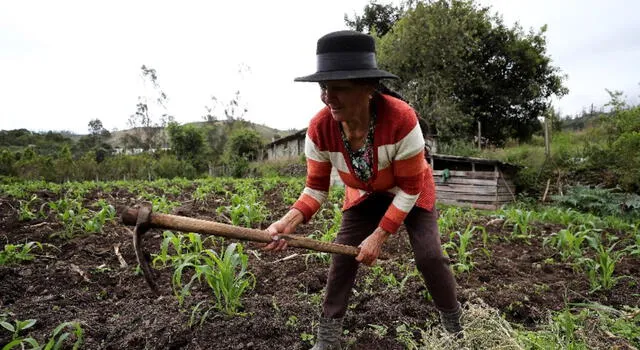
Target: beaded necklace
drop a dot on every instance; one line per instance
(362, 159)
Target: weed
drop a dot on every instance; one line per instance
(379, 330)
(404, 335)
(197, 313)
(292, 321)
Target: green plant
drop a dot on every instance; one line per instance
(17, 253)
(246, 209)
(568, 242)
(24, 211)
(600, 201)
(230, 278)
(162, 204)
(106, 214)
(601, 268)
(226, 274)
(55, 342)
(292, 189)
(521, 221)
(307, 338)
(634, 249)
(329, 219)
(464, 261)
(17, 327)
(404, 336)
(197, 313)
(379, 330)
(59, 337)
(292, 321)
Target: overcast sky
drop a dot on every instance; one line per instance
(64, 63)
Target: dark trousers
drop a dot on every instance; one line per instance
(422, 226)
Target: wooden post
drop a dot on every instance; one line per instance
(547, 147)
(479, 135)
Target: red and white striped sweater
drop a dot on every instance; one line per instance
(399, 165)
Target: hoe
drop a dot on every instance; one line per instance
(144, 219)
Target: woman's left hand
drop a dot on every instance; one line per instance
(371, 247)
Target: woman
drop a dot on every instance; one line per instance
(374, 141)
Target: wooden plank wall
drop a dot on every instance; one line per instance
(477, 189)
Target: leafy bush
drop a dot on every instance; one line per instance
(600, 201)
(169, 167)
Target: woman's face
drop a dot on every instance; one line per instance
(347, 100)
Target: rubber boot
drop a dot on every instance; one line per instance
(451, 321)
(329, 332)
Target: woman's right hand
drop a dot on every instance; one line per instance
(286, 225)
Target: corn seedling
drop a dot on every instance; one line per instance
(57, 340)
(246, 209)
(226, 274)
(568, 242)
(228, 277)
(521, 221)
(464, 261)
(600, 269)
(269, 183)
(71, 214)
(25, 212)
(174, 249)
(18, 253)
(292, 189)
(199, 313)
(59, 336)
(162, 204)
(634, 249)
(330, 220)
(106, 214)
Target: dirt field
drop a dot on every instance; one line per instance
(83, 280)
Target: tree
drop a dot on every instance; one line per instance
(148, 130)
(187, 143)
(217, 131)
(376, 18)
(458, 65)
(245, 143)
(64, 165)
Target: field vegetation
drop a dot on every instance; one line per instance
(529, 275)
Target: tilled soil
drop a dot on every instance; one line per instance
(82, 279)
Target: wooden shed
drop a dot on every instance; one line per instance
(474, 182)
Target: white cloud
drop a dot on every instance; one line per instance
(63, 63)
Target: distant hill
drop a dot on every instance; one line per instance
(18, 139)
(266, 132)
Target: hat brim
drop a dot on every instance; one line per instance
(347, 75)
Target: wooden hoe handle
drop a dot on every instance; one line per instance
(187, 224)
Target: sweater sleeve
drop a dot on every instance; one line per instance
(409, 166)
(318, 178)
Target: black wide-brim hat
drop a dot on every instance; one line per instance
(346, 55)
